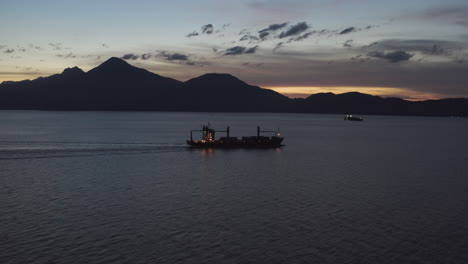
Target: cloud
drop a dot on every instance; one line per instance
(274, 27)
(66, 56)
(181, 58)
(360, 59)
(207, 29)
(371, 27)
(251, 50)
(173, 56)
(264, 33)
(253, 65)
(348, 43)
(355, 29)
(250, 38)
(130, 56)
(239, 50)
(177, 56)
(56, 46)
(193, 34)
(69, 55)
(32, 45)
(301, 37)
(325, 32)
(393, 57)
(347, 30)
(436, 50)
(294, 30)
(370, 45)
(146, 56)
(2, 46)
(9, 51)
(423, 46)
(278, 46)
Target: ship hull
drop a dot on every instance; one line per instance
(271, 143)
(353, 119)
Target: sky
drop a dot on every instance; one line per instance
(415, 49)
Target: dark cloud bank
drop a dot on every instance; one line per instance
(394, 57)
(239, 50)
(207, 29)
(424, 46)
(130, 56)
(175, 57)
(348, 30)
(264, 33)
(193, 34)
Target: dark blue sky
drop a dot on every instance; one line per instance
(412, 49)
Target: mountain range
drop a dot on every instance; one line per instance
(116, 85)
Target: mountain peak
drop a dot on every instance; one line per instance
(321, 96)
(115, 62)
(114, 65)
(72, 71)
(219, 76)
(217, 79)
(357, 95)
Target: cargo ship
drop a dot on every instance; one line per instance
(352, 118)
(208, 139)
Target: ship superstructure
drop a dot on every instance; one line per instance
(209, 140)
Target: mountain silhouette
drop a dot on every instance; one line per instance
(116, 85)
(359, 103)
(113, 85)
(353, 102)
(70, 72)
(224, 92)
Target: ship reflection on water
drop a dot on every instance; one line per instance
(207, 152)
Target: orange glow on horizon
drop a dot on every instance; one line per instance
(305, 91)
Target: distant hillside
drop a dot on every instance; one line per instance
(115, 85)
(358, 103)
(224, 92)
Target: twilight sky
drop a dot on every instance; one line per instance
(415, 49)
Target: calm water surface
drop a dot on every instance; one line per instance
(104, 187)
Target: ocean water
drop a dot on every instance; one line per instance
(117, 187)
